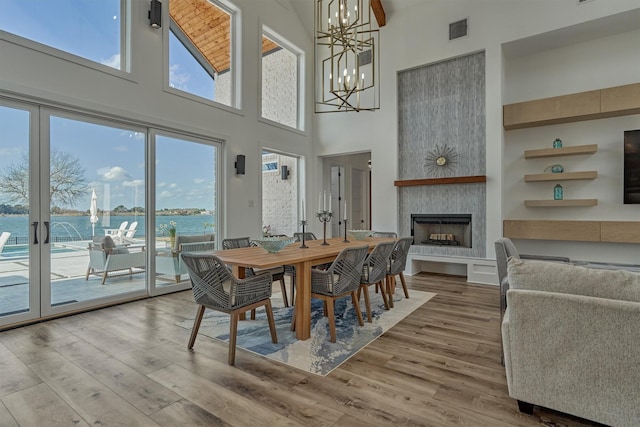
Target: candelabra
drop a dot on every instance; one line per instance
(324, 217)
(303, 223)
(345, 232)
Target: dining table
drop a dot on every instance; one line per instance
(303, 259)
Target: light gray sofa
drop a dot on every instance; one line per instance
(572, 340)
(169, 262)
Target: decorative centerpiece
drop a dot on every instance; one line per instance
(359, 234)
(273, 244)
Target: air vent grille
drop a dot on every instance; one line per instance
(458, 29)
(364, 58)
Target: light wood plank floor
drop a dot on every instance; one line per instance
(128, 366)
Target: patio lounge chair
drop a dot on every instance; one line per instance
(105, 257)
(3, 239)
(169, 261)
(117, 233)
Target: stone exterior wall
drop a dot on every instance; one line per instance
(280, 87)
(280, 197)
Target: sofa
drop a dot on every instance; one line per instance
(169, 262)
(571, 340)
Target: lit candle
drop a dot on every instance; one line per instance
(345, 210)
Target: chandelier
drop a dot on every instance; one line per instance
(346, 57)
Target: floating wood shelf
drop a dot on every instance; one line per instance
(558, 152)
(560, 203)
(441, 181)
(566, 176)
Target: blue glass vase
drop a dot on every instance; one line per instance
(557, 143)
(557, 192)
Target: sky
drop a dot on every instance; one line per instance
(113, 158)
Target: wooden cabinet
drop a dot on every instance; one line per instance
(594, 104)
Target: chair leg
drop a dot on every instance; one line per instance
(196, 326)
(88, 272)
(525, 407)
(233, 332)
(332, 319)
(292, 289)
(177, 278)
(389, 293)
(253, 314)
(367, 304)
(272, 322)
(326, 312)
(357, 307)
(104, 278)
(293, 320)
(283, 289)
(404, 285)
(380, 285)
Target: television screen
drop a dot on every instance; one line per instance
(632, 166)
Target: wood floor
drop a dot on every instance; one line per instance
(129, 365)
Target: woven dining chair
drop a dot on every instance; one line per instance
(214, 287)
(392, 234)
(276, 272)
(374, 272)
(340, 280)
(397, 265)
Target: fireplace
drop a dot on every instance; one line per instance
(441, 230)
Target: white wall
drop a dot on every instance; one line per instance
(36, 76)
(418, 35)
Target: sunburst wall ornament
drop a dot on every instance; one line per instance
(441, 161)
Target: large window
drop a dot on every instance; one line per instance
(94, 30)
(281, 77)
(202, 50)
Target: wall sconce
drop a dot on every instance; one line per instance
(284, 172)
(155, 14)
(239, 164)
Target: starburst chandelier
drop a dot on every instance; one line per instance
(346, 57)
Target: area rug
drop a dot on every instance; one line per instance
(317, 355)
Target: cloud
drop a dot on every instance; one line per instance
(121, 148)
(199, 180)
(8, 151)
(134, 183)
(161, 184)
(177, 79)
(174, 185)
(113, 62)
(115, 173)
(165, 194)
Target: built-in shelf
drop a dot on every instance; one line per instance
(566, 176)
(558, 152)
(560, 203)
(579, 231)
(441, 181)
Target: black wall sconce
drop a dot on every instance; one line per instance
(239, 164)
(284, 172)
(155, 14)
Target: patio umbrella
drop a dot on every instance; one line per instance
(93, 210)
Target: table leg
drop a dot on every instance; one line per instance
(303, 300)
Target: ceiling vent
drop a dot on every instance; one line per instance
(458, 29)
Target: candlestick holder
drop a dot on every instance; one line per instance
(303, 223)
(345, 232)
(324, 217)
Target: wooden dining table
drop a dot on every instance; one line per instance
(303, 259)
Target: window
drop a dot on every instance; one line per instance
(93, 30)
(281, 77)
(201, 51)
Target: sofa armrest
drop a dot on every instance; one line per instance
(197, 246)
(574, 353)
(546, 258)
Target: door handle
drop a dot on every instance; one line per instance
(46, 225)
(34, 224)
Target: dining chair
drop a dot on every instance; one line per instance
(214, 287)
(340, 280)
(276, 272)
(290, 270)
(374, 272)
(397, 265)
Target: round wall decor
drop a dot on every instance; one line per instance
(441, 161)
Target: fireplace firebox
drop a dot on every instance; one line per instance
(441, 230)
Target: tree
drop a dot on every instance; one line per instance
(67, 180)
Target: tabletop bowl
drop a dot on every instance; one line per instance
(359, 234)
(273, 244)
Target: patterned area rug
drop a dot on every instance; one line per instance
(318, 354)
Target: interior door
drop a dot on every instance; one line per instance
(359, 199)
(337, 199)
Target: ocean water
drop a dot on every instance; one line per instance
(66, 228)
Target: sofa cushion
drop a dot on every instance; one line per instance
(571, 279)
(197, 238)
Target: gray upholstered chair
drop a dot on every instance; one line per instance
(168, 261)
(276, 272)
(340, 280)
(105, 257)
(374, 272)
(397, 265)
(214, 287)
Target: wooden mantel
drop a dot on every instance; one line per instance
(441, 181)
